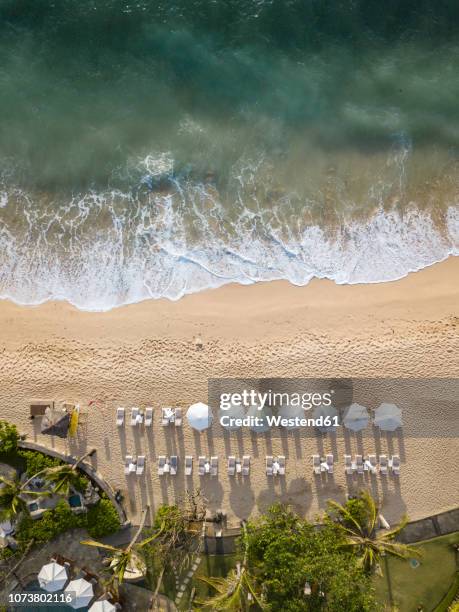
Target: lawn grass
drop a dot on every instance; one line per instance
(425, 585)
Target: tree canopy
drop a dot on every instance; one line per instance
(302, 567)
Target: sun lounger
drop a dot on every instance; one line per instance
(395, 465)
(140, 465)
(165, 418)
(161, 464)
(373, 463)
(330, 460)
(269, 466)
(213, 466)
(383, 464)
(231, 466)
(359, 464)
(348, 465)
(188, 465)
(148, 417)
(201, 464)
(238, 466)
(120, 416)
(134, 415)
(316, 464)
(132, 467)
(246, 465)
(174, 464)
(281, 462)
(178, 417)
(127, 464)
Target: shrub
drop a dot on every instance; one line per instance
(102, 519)
(8, 438)
(36, 462)
(5, 554)
(53, 522)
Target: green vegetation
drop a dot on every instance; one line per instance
(358, 519)
(239, 590)
(11, 497)
(290, 565)
(121, 559)
(64, 477)
(304, 568)
(60, 473)
(53, 522)
(424, 584)
(9, 438)
(102, 519)
(37, 462)
(179, 540)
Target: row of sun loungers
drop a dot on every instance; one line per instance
(275, 466)
(361, 465)
(169, 465)
(134, 466)
(168, 416)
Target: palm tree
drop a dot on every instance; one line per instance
(363, 537)
(12, 494)
(13, 491)
(237, 592)
(63, 477)
(121, 559)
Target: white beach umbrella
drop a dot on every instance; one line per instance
(262, 424)
(53, 577)
(82, 591)
(199, 416)
(326, 412)
(388, 417)
(356, 417)
(287, 411)
(102, 605)
(233, 412)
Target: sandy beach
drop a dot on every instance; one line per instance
(147, 355)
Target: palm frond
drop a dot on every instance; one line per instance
(100, 545)
(344, 512)
(391, 533)
(371, 508)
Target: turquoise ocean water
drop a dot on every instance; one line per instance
(153, 149)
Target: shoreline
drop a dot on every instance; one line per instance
(160, 353)
(11, 300)
(429, 292)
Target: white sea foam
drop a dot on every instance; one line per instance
(102, 250)
(105, 271)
